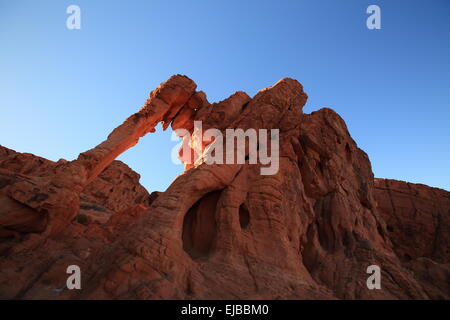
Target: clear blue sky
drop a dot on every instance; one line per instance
(62, 91)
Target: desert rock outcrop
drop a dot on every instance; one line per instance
(222, 230)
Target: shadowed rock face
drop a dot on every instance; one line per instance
(222, 231)
(418, 223)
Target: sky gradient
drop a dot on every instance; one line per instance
(62, 91)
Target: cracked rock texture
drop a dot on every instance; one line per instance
(222, 231)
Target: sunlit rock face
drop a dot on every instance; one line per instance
(221, 231)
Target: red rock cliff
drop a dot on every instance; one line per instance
(222, 231)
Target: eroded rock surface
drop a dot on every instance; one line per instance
(223, 230)
(418, 223)
(116, 189)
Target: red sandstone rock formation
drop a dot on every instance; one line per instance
(418, 222)
(222, 231)
(116, 189)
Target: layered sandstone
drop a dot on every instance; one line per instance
(418, 222)
(116, 189)
(222, 230)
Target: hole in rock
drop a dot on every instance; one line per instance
(154, 150)
(407, 257)
(348, 153)
(199, 226)
(244, 216)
